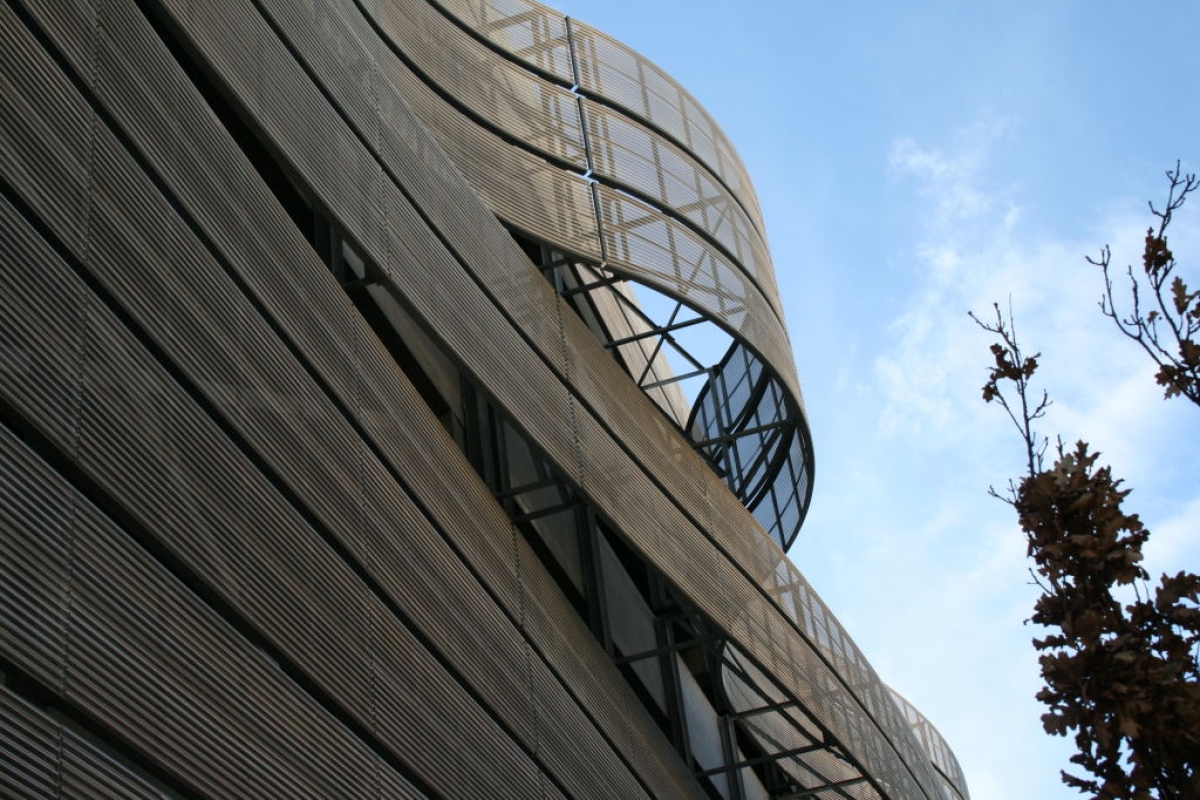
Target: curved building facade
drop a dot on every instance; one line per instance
(396, 401)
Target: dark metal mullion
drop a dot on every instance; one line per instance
(658, 346)
(729, 752)
(750, 762)
(588, 535)
(544, 483)
(590, 286)
(836, 786)
(673, 647)
(669, 669)
(545, 512)
(732, 437)
(673, 683)
(658, 331)
(831, 742)
(672, 379)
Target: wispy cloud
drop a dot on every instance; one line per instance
(951, 179)
(1174, 544)
(973, 252)
(974, 246)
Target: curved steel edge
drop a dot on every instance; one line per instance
(855, 667)
(541, 38)
(583, 137)
(674, 252)
(557, 57)
(940, 755)
(578, 55)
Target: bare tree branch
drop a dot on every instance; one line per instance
(1124, 680)
(1013, 365)
(1177, 308)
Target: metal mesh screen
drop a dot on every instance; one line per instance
(717, 268)
(538, 113)
(636, 156)
(938, 751)
(616, 73)
(651, 246)
(606, 69)
(201, 374)
(532, 32)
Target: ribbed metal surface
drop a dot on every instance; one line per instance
(530, 31)
(526, 190)
(533, 194)
(610, 71)
(636, 156)
(540, 114)
(648, 248)
(615, 72)
(691, 241)
(936, 747)
(177, 316)
(29, 750)
(40, 758)
(480, 352)
(283, 580)
(656, 249)
(574, 750)
(142, 654)
(44, 121)
(551, 203)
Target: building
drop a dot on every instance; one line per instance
(353, 442)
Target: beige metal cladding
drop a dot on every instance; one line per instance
(532, 32)
(938, 751)
(629, 154)
(231, 522)
(705, 249)
(520, 186)
(685, 520)
(540, 114)
(295, 647)
(611, 72)
(657, 249)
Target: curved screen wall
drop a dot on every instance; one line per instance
(244, 553)
(577, 54)
(939, 752)
(659, 215)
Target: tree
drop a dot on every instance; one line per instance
(1124, 678)
(1176, 351)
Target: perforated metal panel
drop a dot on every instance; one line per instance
(535, 33)
(635, 156)
(688, 214)
(237, 548)
(540, 114)
(936, 747)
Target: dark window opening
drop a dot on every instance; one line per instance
(562, 529)
(268, 166)
(348, 266)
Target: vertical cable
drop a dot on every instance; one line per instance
(81, 368)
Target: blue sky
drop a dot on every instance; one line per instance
(913, 161)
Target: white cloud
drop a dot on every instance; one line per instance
(950, 179)
(1174, 544)
(947, 179)
(973, 252)
(958, 577)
